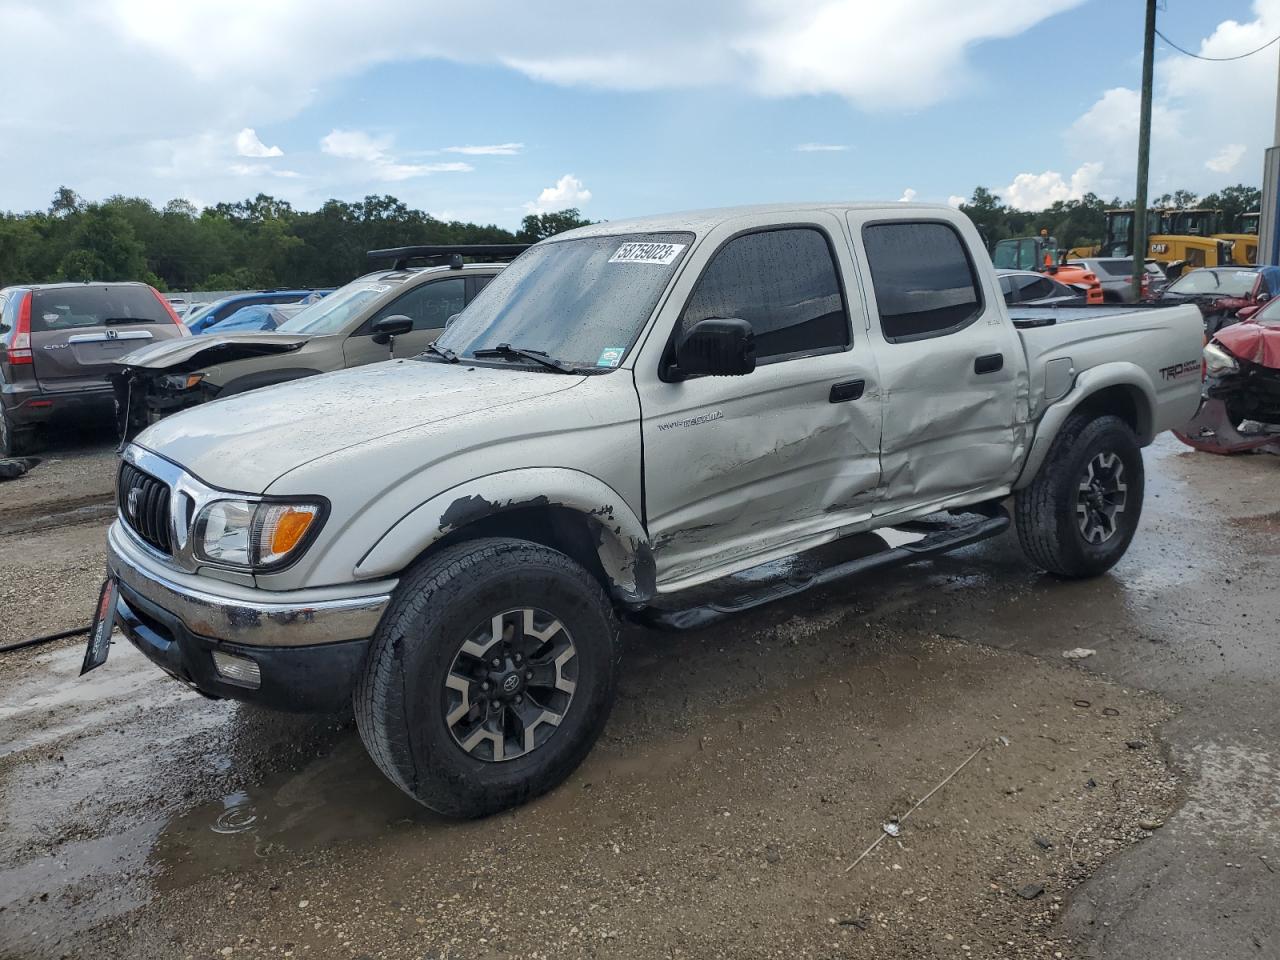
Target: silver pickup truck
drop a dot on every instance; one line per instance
(668, 420)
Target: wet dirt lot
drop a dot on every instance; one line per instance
(745, 769)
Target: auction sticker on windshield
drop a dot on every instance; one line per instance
(610, 356)
(659, 253)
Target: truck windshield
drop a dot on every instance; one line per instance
(332, 313)
(1221, 283)
(582, 301)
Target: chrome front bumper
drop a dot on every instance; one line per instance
(243, 615)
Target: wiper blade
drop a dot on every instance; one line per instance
(112, 321)
(507, 352)
(449, 355)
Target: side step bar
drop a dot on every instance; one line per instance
(930, 539)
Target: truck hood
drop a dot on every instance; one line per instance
(246, 442)
(192, 353)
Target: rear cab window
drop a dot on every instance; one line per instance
(73, 308)
(924, 279)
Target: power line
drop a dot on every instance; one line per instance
(1216, 59)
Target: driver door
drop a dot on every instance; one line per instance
(739, 469)
(429, 305)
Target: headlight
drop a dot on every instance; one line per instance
(1217, 362)
(252, 535)
(182, 381)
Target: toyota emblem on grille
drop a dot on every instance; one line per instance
(133, 502)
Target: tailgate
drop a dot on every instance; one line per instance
(78, 333)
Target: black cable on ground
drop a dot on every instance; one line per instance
(35, 641)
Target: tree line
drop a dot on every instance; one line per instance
(1082, 223)
(257, 243)
(264, 242)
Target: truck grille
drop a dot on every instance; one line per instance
(144, 504)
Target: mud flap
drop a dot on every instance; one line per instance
(1212, 431)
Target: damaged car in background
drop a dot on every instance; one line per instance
(390, 313)
(1240, 410)
(668, 420)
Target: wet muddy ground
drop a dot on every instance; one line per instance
(1125, 805)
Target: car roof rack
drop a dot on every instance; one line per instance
(437, 255)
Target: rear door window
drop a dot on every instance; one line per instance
(73, 308)
(784, 283)
(924, 280)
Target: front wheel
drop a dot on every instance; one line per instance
(1079, 514)
(490, 676)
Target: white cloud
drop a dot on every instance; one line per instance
(249, 145)
(1227, 159)
(907, 195)
(1204, 119)
(1035, 191)
(955, 200)
(568, 191)
(488, 150)
(821, 148)
(376, 161)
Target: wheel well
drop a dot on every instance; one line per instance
(1126, 402)
(559, 528)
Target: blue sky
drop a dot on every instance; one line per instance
(492, 110)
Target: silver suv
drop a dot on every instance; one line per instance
(388, 313)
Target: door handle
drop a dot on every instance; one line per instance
(991, 363)
(847, 390)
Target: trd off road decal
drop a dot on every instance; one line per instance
(659, 253)
(1177, 370)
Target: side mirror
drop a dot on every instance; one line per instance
(388, 327)
(717, 347)
(1263, 297)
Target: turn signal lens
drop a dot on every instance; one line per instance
(248, 535)
(282, 528)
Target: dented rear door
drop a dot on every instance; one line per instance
(951, 364)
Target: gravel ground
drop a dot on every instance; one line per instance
(745, 768)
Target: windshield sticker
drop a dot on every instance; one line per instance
(611, 356)
(50, 317)
(662, 254)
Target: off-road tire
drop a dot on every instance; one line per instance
(1047, 521)
(399, 700)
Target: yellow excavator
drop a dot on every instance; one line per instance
(1244, 245)
(1179, 240)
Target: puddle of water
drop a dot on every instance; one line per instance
(51, 699)
(337, 798)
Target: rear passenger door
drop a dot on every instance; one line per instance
(738, 468)
(951, 365)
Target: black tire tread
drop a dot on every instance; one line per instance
(378, 705)
(1036, 506)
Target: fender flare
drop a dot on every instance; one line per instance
(1088, 384)
(622, 544)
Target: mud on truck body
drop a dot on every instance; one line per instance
(632, 422)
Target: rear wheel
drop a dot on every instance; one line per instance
(14, 441)
(490, 676)
(1077, 517)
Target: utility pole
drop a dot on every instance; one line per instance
(1269, 222)
(1144, 153)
